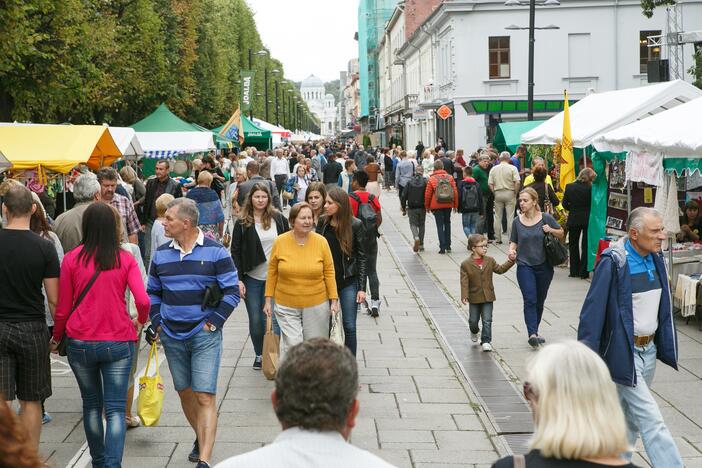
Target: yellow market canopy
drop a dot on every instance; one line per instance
(57, 148)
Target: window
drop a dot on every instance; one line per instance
(647, 53)
(499, 57)
(579, 58)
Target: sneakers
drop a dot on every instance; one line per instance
(473, 337)
(421, 247)
(540, 339)
(46, 418)
(448, 249)
(132, 421)
(195, 454)
(487, 347)
(202, 464)
(442, 251)
(258, 363)
(534, 341)
(415, 247)
(375, 308)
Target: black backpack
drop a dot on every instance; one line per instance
(367, 215)
(470, 199)
(415, 192)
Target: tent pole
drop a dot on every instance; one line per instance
(628, 198)
(64, 193)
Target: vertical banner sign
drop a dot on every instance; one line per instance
(246, 89)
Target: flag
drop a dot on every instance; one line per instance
(232, 129)
(567, 166)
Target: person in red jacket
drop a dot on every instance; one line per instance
(440, 196)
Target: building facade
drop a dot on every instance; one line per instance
(468, 56)
(352, 96)
(321, 104)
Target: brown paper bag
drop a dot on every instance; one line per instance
(271, 350)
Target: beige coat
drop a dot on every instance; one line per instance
(476, 282)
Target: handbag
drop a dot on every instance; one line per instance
(556, 252)
(288, 190)
(336, 333)
(151, 392)
(62, 345)
(271, 351)
(213, 295)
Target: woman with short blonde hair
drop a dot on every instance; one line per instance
(576, 410)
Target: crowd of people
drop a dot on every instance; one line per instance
(294, 232)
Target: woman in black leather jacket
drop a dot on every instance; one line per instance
(252, 239)
(344, 233)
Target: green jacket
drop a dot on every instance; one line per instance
(481, 177)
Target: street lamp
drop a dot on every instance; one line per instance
(251, 54)
(532, 39)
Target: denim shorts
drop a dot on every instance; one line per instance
(194, 362)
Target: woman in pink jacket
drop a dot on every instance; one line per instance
(101, 334)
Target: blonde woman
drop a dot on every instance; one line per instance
(577, 416)
(534, 273)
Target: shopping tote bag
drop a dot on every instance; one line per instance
(271, 346)
(150, 401)
(336, 332)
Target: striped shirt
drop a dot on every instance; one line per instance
(177, 283)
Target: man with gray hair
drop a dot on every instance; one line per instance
(627, 318)
(315, 400)
(193, 287)
(68, 226)
(504, 182)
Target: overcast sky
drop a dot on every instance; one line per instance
(308, 36)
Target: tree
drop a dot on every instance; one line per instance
(649, 5)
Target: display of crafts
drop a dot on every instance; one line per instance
(686, 246)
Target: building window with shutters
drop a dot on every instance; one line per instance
(498, 48)
(647, 53)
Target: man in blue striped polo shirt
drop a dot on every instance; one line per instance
(191, 333)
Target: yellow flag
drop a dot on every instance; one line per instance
(233, 129)
(567, 169)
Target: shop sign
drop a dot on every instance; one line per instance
(444, 112)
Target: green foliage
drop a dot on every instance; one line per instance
(696, 69)
(94, 61)
(332, 87)
(649, 5)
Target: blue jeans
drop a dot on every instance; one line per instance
(194, 362)
(642, 414)
(470, 223)
(102, 371)
(534, 282)
(442, 217)
(349, 308)
(254, 300)
(477, 312)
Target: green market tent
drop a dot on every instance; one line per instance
(221, 142)
(163, 120)
(253, 134)
(509, 134)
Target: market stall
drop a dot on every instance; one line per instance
(253, 134)
(665, 151)
(279, 135)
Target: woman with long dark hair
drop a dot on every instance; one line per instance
(254, 232)
(101, 334)
(344, 233)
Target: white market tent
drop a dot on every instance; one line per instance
(165, 145)
(277, 133)
(600, 113)
(674, 133)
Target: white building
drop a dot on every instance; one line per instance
(321, 104)
(463, 56)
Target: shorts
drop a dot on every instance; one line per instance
(25, 367)
(194, 362)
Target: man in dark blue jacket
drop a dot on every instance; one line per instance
(627, 318)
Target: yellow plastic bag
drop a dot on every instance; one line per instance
(150, 401)
(271, 350)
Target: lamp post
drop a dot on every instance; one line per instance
(532, 39)
(251, 54)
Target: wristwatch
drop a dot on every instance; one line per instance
(211, 327)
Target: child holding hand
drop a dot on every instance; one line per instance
(477, 289)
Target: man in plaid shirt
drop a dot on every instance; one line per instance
(108, 179)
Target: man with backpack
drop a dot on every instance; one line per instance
(416, 213)
(366, 207)
(470, 202)
(440, 197)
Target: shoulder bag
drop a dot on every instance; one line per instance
(556, 252)
(63, 343)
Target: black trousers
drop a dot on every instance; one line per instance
(403, 197)
(488, 224)
(577, 244)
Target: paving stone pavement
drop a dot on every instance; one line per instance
(418, 408)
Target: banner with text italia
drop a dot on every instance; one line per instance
(246, 89)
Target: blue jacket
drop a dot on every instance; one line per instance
(607, 317)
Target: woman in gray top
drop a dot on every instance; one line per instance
(534, 274)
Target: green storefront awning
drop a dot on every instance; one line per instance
(501, 106)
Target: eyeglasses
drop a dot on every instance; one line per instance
(481, 246)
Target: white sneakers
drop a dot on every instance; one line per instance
(487, 347)
(473, 337)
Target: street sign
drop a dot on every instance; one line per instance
(444, 112)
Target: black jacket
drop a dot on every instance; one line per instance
(331, 172)
(354, 265)
(247, 251)
(245, 188)
(577, 200)
(172, 187)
